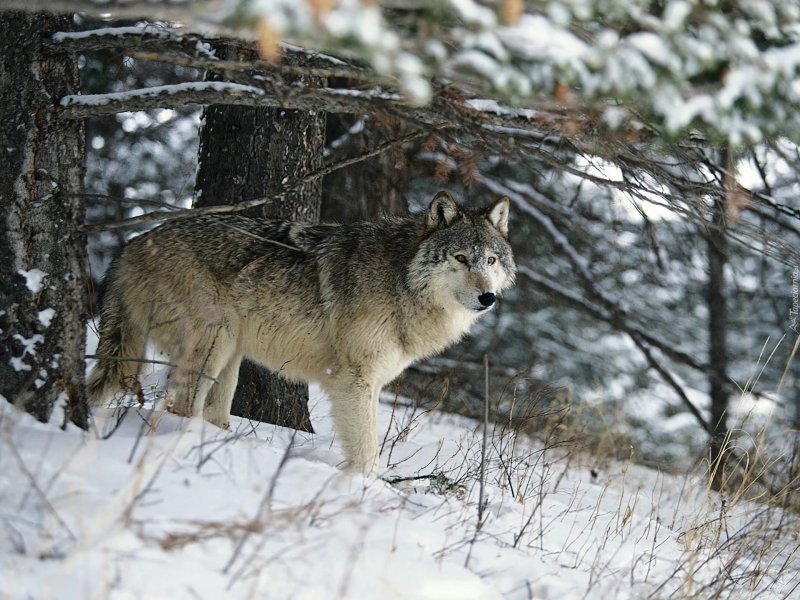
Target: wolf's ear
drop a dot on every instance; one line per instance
(441, 212)
(497, 214)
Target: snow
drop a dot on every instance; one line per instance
(150, 505)
(653, 47)
(675, 15)
(315, 53)
(474, 14)
(34, 279)
(535, 38)
(492, 106)
(371, 94)
(654, 57)
(28, 347)
(685, 65)
(110, 31)
(46, 317)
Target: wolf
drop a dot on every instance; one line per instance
(347, 306)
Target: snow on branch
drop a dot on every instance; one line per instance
(731, 70)
(139, 37)
(217, 92)
(446, 109)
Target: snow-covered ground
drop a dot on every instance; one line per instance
(150, 505)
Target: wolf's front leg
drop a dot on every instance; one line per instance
(217, 408)
(354, 405)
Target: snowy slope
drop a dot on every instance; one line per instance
(157, 506)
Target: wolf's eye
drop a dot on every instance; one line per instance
(461, 258)
(491, 260)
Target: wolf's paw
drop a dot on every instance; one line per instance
(171, 408)
(217, 417)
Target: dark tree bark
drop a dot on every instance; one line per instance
(347, 195)
(42, 336)
(246, 153)
(717, 345)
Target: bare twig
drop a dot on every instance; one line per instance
(160, 9)
(149, 361)
(190, 49)
(673, 383)
(484, 447)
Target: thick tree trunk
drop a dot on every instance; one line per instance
(42, 253)
(347, 194)
(247, 153)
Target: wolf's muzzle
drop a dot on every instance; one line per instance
(487, 300)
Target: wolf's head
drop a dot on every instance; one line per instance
(464, 256)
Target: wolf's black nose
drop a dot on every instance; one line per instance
(487, 299)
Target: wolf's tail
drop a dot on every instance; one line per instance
(119, 340)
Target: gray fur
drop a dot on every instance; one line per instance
(349, 306)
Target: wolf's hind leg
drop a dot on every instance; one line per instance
(207, 349)
(354, 409)
(217, 409)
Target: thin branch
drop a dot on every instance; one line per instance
(265, 506)
(148, 361)
(673, 383)
(614, 315)
(446, 109)
(242, 66)
(394, 480)
(177, 10)
(615, 320)
(35, 486)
